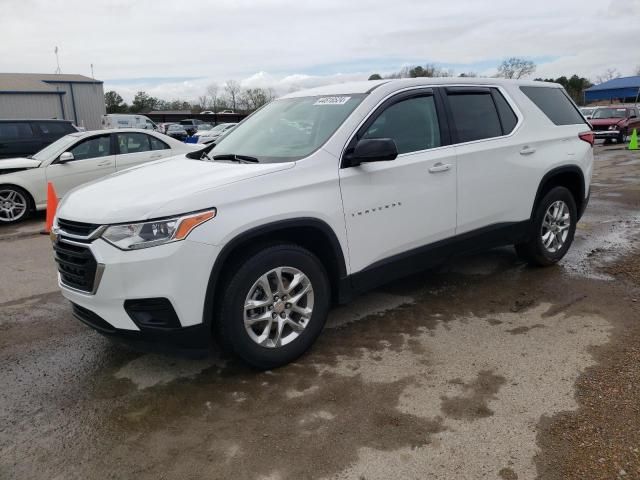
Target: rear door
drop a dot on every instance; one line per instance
(135, 148)
(93, 159)
(491, 164)
(18, 139)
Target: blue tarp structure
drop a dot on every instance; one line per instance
(626, 87)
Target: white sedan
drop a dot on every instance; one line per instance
(208, 136)
(75, 159)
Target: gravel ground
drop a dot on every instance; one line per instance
(482, 368)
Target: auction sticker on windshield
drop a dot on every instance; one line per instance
(332, 101)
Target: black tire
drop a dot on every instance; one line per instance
(229, 323)
(621, 137)
(534, 250)
(607, 141)
(20, 193)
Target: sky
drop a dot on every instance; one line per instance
(174, 49)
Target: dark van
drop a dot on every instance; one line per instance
(21, 138)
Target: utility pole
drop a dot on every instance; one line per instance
(58, 71)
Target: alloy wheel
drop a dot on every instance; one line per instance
(555, 226)
(13, 205)
(278, 307)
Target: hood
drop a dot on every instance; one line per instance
(18, 163)
(164, 188)
(606, 121)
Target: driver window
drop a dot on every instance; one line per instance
(92, 148)
(411, 123)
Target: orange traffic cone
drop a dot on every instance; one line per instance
(52, 206)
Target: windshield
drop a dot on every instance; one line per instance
(288, 129)
(587, 111)
(56, 147)
(610, 113)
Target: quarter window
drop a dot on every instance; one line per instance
(55, 128)
(411, 123)
(555, 104)
(92, 148)
(157, 144)
(507, 117)
(474, 115)
(133, 143)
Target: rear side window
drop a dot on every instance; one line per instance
(55, 128)
(474, 115)
(133, 143)
(15, 131)
(411, 123)
(555, 104)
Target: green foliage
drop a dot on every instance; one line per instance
(114, 103)
(143, 103)
(375, 76)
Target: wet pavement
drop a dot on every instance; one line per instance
(468, 371)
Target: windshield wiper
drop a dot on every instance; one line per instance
(236, 158)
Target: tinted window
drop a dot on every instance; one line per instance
(411, 123)
(15, 131)
(55, 128)
(133, 142)
(157, 144)
(507, 117)
(475, 116)
(92, 148)
(555, 104)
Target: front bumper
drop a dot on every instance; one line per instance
(176, 273)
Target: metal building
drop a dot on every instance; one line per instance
(70, 97)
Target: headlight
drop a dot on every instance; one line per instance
(134, 236)
(613, 127)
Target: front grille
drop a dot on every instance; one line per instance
(600, 127)
(77, 228)
(76, 265)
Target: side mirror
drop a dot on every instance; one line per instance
(65, 157)
(372, 150)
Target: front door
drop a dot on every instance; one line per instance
(93, 158)
(394, 207)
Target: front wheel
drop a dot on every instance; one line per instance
(15, 204)
(621, 137)
(274, 306)
(553, 228)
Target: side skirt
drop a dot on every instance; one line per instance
(422, 258)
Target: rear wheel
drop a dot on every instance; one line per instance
(15, 204)
(553, 229)
(275, 306)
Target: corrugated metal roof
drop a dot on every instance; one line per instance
(36, 82)
(623, 82)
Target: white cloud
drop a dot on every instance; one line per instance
(293, 44)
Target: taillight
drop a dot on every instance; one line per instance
(588, 137)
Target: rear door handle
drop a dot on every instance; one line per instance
(156, 156)
(104, 164)
(440, 167)
(527, 150)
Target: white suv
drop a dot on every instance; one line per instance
(319, 195)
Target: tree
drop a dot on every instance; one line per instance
(143, 103)
(114, 102)
(468, 74)
(637, 70)
(254, 98)
(375, 76)
(609, 74)
(232, 89)
(212, 91)
(515, 67)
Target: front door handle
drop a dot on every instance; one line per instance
(156, 156)
(440, 167)
(104, 164)
(527, 150)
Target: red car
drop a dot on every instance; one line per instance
(615, 122)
